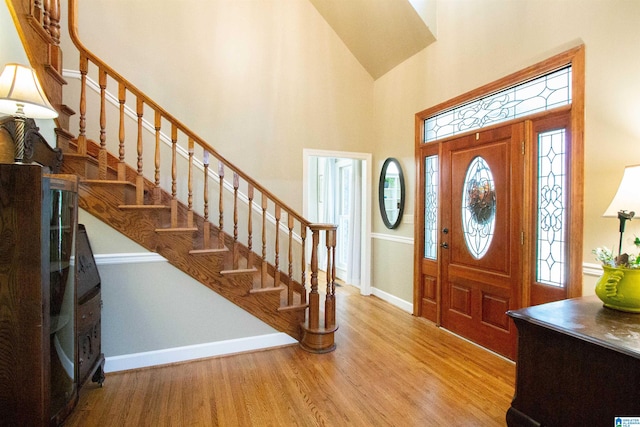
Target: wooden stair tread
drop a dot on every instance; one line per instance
(267, 289)
(208, 251)
(144, 207)
(176, 230)
(71, 154)
(105, 182)
(239, 271)
(293, 307)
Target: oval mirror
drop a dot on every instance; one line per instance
(391, 193)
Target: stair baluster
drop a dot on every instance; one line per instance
(82, 137)
(190, 187)
(122, 166)
(102, 155)
(174, 176)
(206, 226)
(276, 247)
(250, 254)
(264, 265)
(140, 145)
(157, 190)
(290, 277)
(221, 242)
(235, 246)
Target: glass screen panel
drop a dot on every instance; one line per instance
(552, 183)
(431, 207)
(478, 207)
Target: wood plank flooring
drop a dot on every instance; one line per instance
(389, 369)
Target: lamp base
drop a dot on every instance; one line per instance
(19, 149)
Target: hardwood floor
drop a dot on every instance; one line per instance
(389, 369)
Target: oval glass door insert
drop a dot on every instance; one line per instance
(478, 207)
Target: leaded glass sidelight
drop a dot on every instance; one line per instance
(550, 250)
(540, 94)
(431, 207)
(478, 207)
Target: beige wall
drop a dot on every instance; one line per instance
(482, 41)
(276, 79)
(258, 80)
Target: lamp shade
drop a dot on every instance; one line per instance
(627, 197)
(19, 87)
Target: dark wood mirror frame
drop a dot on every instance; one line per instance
(398, 197)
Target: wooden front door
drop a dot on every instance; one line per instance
(481, 229)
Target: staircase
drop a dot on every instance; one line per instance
(159, 187)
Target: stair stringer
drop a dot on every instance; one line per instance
(105, 200)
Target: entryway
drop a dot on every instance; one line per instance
(336, 190)
(499, 197)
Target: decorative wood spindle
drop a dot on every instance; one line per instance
(314, 296)
(45, 16)
(82, 135)
(140, 176)
(303, 278)
(290, 288)
(236, 248)
(206, 225)
(276, 271)
(102, 154)
(190, 186)
(221, 206)
(263, 267)
(250, 227)
(53, 10)
(38, 12)
(329, 302)
(157, 190)
(174, 174)
(122, 166)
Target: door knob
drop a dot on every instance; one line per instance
(444, 245)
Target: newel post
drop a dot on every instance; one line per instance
(317, 338)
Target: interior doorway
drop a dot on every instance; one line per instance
(337, 187)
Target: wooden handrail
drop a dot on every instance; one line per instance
(73, 32)
(316, 336)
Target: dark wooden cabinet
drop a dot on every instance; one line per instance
(578, 364)
(38, 352)
(90, 357)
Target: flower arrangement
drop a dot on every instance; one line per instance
(605, 256)
(481, 200)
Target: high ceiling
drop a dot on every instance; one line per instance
(381, 33)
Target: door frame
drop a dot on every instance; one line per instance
(574, 57)
(365, 235)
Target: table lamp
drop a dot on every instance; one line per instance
(22, 96)
(626, 202)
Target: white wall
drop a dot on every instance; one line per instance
(154, 313)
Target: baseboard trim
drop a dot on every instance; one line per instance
(147, 359)
(393, 300)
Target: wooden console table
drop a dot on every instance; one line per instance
(578, 365)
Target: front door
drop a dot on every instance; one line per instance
(482, 176)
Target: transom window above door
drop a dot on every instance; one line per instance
(542, 93)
